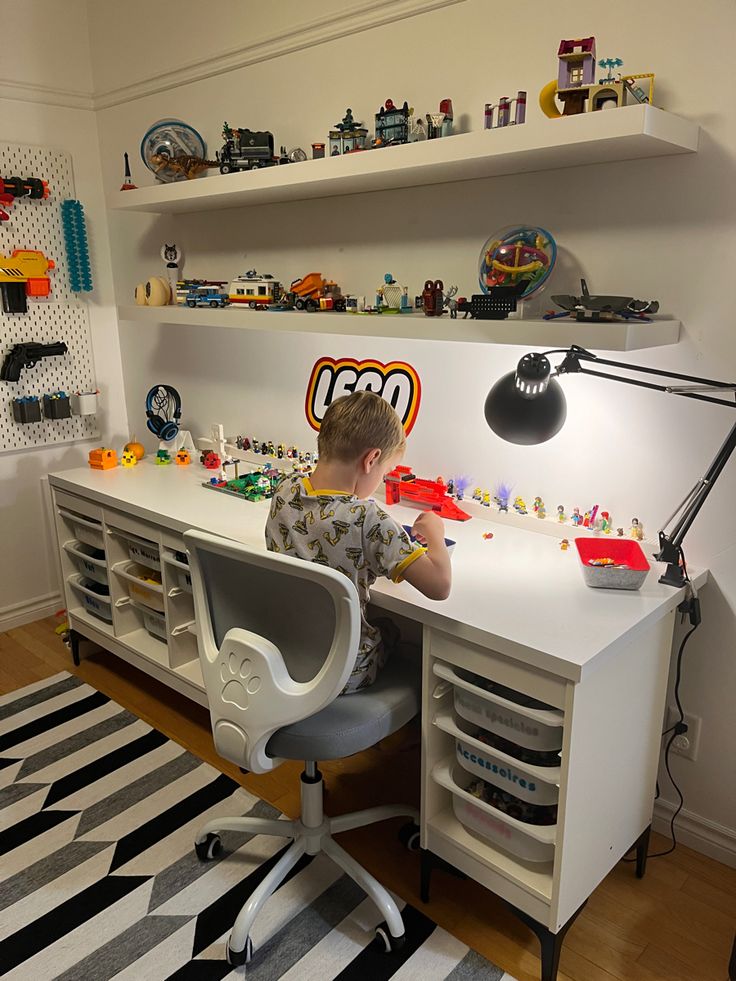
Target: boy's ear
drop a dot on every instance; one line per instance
(370, 459)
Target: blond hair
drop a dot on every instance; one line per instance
(359, 422)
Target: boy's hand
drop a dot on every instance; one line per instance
(429, 529)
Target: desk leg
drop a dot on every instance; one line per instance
(550, 943)
(430, 861)
(74, 639)
(642, 851)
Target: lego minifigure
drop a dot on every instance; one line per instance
(486, 499)
(541, 511)
(520, 505)
(561, 516)
(576, 517)
(637, 530)
(536, 505)
(477, 494)
(604, 522)
(307, 457)
(620, 532)
(564, 544)
(264, 449)
(239, 442)
(255, 445)
(586, 519)
(271, 449)
(451, 487)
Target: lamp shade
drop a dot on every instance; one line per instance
(520, 419)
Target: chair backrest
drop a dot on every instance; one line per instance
(277, 640)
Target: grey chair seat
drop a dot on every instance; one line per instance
(352, 723)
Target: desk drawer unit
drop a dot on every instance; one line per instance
(494, 733)
(532, 784)
(127, 587)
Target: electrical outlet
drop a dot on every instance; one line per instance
(686, 744)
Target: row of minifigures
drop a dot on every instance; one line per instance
(280, 451)
(595, 519)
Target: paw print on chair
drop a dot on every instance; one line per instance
(238, 680)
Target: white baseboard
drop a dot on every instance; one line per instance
(36, 609)
(699, 833)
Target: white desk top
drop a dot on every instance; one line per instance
(517, 593)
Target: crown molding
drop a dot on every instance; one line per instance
(45, 95)
(353, 20)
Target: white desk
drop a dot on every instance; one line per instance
(519, 614)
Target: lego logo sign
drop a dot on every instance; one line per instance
(397, 382)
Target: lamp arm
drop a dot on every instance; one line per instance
(670, 543)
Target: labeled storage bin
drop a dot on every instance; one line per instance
(480, 819)
(534, 728)
(144, 585)
(155, 624)
(625, 567)
(95, 597)
(529, 842)
(183, 579)
(85, 529)
(146, 553)
(89, 560)
(508, 776)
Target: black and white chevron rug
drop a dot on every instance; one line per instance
(99, 880)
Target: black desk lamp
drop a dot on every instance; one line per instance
(528, 406)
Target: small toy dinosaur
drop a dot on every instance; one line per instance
(183, 163)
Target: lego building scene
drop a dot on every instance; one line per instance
(368, 595)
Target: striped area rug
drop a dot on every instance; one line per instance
(99, 880)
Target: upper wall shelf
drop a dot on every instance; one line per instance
(541, 144)
(626, 336)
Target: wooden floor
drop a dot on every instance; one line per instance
(677, 924)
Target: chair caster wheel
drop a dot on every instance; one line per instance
(237, 958)
(209, 848)
(386, 942)
(409, 836)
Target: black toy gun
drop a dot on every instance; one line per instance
(27, 356)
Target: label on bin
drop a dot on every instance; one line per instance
(501, 771)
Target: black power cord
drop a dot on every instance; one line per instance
(689, 607)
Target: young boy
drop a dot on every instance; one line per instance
(330, 519)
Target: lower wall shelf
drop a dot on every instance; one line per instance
(624, 336)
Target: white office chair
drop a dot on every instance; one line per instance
(277, 640)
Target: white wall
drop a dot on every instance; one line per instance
(655, 228)
(28, 583)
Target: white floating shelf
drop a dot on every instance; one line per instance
(540, 144)
(625, 336)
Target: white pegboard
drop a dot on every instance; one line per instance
(62, 317)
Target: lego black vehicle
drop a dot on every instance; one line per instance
(595, 308)
(246, 149)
